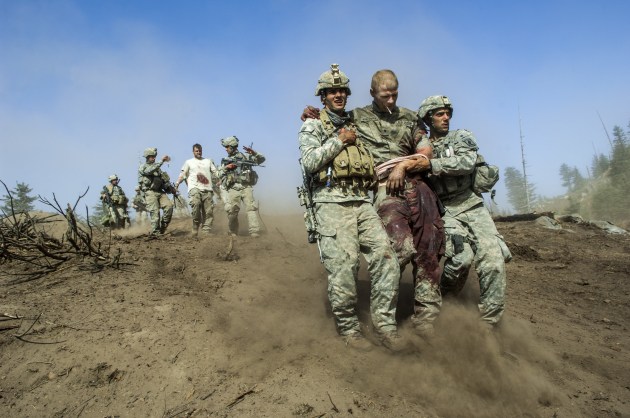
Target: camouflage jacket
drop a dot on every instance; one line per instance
(151, 177)
(388, 135)
(243, 175)
(452, 166)
(318, 149)
(115, 195)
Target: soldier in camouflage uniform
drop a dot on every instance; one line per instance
(140, 206)
(237, 183)
(199, 174)
(406, 204)
(155, 184)
(471, 233)
(115, 203)
(342, 173)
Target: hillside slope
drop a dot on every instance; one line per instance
(183, 332)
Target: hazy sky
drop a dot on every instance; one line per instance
(85, 86)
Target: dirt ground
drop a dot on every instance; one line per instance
(182, 332)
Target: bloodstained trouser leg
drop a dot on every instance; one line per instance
(394, 212)
(429, 240)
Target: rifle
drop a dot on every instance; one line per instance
(240, 164)
(306, 199)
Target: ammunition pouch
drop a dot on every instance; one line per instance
(353, 165)
(156, 183)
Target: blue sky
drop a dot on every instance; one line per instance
(85, 86)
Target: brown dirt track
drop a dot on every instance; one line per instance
(182, 332)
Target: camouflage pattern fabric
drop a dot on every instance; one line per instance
(155, 202)
(471, 234)
(117, 208)
(473, 237)
(201, 208)
(348, 226)
(232, 199)
(348, 229)
(388, 135)
(452, 166)
(237, 186)
(140, 205)
(150, 176)
(316, 154)
(415, 231)
(238, 178)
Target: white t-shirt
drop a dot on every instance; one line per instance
(199, 174)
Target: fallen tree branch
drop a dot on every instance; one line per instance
(242, 396)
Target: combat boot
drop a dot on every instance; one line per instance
(357, 341)
(426, 331)
(392, 341)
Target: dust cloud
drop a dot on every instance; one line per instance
(282, 318)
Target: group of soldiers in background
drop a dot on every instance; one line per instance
(232, 182)
(425, 205)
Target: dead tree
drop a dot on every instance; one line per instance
(23, 240)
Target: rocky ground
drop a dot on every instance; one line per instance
(210, 327)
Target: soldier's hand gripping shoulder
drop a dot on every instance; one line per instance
(310, 112)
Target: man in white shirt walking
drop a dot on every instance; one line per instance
(199, 174)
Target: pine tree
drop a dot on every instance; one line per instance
(620, 161)
(600, 165)
(612, 200)
(18, 200)
(517, 191)
(97, 214)
(566, 176)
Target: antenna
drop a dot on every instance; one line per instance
(605, 130)
(520, 130)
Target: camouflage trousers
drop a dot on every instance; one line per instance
(232, 199)
(118, 216)
(201, 208)
(346, 230)
(416, 230)
(473, 237)
(156, 201)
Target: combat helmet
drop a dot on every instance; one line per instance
(432, 103)
(332, 79)
(230, 141)
(150, 152)
(112, 177)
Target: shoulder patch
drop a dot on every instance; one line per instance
(467, 137)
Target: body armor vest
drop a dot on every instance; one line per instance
(353, 166)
